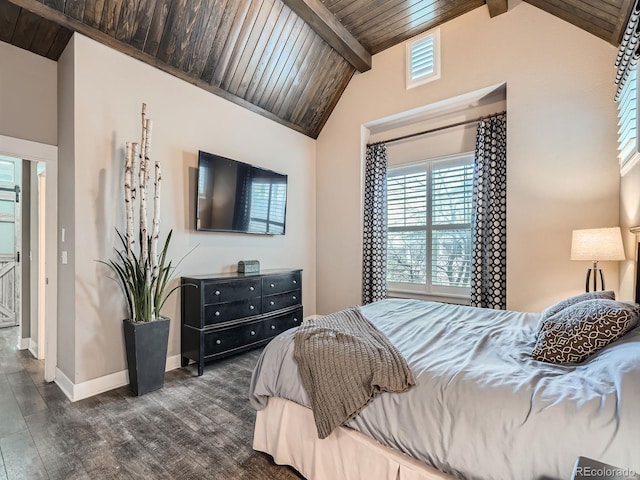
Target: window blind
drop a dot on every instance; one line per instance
(407, 222)
(451, 201)
(628, 121)
(422, 58)
(429, 208)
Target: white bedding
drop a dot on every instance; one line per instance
(482, 408)
(287, 431)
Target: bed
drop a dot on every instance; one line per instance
(482, 407)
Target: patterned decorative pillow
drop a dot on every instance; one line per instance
(579, 331)
(567, 302)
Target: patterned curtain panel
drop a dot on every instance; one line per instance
(489, 240)
(629, 51)
(374, 258)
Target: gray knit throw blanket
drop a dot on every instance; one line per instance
(344, 361)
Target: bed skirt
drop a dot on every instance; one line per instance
(287, 432)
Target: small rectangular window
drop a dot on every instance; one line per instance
(423, 59)
(628, 153)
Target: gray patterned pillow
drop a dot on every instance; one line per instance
(579, 331)
(567, 302)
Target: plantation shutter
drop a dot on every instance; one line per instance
(423, 59)
(451, 205)
(407, 224)
(429, 208)
(628, 121)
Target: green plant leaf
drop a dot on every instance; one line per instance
(145, 293)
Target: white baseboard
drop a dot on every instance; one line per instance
(174, 362)
(28, 344)
(80, 391)
(33, 348)
(64, 384)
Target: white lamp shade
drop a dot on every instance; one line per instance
(597, 244)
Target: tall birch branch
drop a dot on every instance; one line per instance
(128, 176)
(142, 187)
(155, 233)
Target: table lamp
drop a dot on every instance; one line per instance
(594, 245)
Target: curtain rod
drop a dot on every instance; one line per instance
(433, 130)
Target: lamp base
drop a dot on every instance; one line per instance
(597, 272)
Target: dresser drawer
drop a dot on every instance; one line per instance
(227, 339)
(282, 300)
(272, 284)
(221, 292)
(279, 324)
(223, 312)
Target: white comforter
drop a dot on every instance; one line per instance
(482, 408)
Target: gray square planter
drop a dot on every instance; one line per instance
(146, 345)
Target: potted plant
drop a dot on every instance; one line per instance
(142, 269)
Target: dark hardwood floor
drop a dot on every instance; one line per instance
(194, 428)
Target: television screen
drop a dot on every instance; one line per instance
(238, 197)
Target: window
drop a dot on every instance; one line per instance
(429, 207)
(628, 122)
(423, 59)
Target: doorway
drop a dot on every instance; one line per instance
(46, 279)
(22, 251)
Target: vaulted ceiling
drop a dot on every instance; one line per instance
(289, 60)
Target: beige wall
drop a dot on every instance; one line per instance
(28, 95)
(629, 217)
(66, 332)
(109, 89)
(562, 168)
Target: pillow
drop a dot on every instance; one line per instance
(567, 302)
(579, 331)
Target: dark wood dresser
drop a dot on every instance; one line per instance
(227, 313)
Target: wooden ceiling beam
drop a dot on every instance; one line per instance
(325, 24)
(497, 7)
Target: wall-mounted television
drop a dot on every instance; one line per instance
(237, 197)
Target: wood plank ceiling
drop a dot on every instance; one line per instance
(279, 58)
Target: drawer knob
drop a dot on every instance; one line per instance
(273, 327)
(218, 342)
(295, 319)
(217, 314)
(251, 307)
(295, 281)
(252, 288)
(253, 332)
(217, 292)
(272, 285)
(295, 298)
(272, 302)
